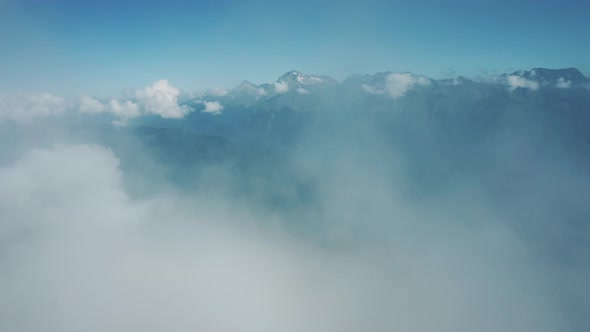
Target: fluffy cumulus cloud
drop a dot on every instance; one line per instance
(281, 87)
(562, 83)
(213, 107)
(515, 82)
(161, 99)
(124, 110)
(397, 84)
(25, 108)
(91, 105)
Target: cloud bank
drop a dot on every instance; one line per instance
(80, 254)
(160, 98)
(25, 108)
(279, 220)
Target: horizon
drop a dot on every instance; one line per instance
(70, 47)
(402, 165)
(482, 77)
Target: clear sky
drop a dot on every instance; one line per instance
(102, 47)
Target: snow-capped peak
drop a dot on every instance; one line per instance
(297, 78)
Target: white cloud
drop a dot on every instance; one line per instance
(213, 107)
(515, 82)
(161, 99)
(281, 87)
(372, 90)
(397, 84)
(302, 91)
(533, 73)
(91, 105)
(74, 169)
(24, 108)
(563, 84)
(70, 232)
(260, 92)
(124, 109)
(119, 264)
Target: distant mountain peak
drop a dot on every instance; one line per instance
(246, 87)
(553, 76)
(246, 83)
(297, 78)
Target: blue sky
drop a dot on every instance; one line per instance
(102, 47)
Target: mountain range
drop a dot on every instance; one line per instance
(467, 128)
(389, 84)
(460, 109)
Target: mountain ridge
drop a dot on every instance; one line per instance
(294, 79)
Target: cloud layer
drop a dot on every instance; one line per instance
(80, 254)
(24, 108)
(160, 98)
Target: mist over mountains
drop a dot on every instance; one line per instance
(451, 119)
(390, 201)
